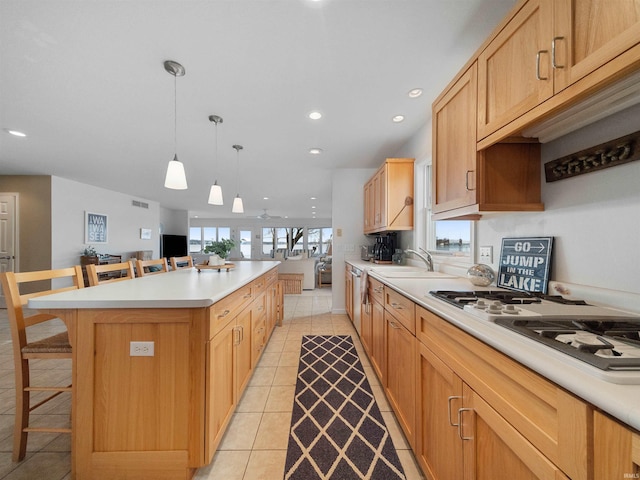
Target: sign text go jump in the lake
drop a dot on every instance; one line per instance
(525, 263)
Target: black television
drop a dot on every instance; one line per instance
(173, 246)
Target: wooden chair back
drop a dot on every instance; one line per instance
(181, 262)
(150, 267)
(51, 348)
(125, 270)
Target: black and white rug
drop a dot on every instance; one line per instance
(337, 431)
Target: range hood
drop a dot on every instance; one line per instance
(613, 99)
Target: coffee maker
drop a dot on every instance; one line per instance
(384, 248)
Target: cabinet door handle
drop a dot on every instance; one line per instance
(396, 305)
(224, 314)
(466, 180)
(236, 336)
(452, 397)
(540, 52)
(460, 411)
(553, 52)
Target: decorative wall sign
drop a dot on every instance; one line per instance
(616, 152)
(525, 263)
(95, 228)
(145, 233)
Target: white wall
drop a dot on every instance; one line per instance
(348, 224)
(69, 201)
(174, 222)
(594, 218)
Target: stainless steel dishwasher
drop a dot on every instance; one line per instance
(357, 297)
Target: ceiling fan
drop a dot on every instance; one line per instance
(266, 216)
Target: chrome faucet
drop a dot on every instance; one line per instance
(426, 258)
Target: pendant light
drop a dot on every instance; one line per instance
(237, 202)
(175, 178)
(215, 193)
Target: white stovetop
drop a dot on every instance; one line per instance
(616, 393)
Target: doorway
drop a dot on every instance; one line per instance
(8, 235)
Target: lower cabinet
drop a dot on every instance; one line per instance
(378, 343)
(348, 291)
(616, 449)
(400, 386)
(366, 326)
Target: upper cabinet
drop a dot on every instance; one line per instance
(547, 56)
(547, 46)
(388, 197)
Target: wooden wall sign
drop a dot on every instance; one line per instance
(616, 152)
(525, 263)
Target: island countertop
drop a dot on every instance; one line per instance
(184, 288)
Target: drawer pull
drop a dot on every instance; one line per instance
(540, 52)
(378, 289)
(248, 295)
(397, 306)
(393, 325)
(553, 52)
(224, 314)
(460, 411)
(452, 397)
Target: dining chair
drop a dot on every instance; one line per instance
(115, 272)
(55, 347)
(151, 267)
(181, 262)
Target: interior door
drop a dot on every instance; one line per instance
(8, 220)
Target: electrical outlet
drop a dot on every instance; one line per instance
(141, 349)
(486, 255)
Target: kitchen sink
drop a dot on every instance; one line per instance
(408, 272)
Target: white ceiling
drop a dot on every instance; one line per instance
(85, 80)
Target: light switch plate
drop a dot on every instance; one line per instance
(486, 255)
(141, 349)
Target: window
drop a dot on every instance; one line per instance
(319, 240)
(201, 237)
(444, 237)
(273, 238)
(245, 243)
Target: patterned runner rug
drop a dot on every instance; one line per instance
(337, 431)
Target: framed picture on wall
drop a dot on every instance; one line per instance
(145, 233)
(95, 227)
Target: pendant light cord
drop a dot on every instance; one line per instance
(175, 115)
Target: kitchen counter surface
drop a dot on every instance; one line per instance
(185, 288)
(616, 393)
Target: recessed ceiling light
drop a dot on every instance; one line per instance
(313, 198)
(265, 198)
(313, 206)
(315, 115)
(398, 118)
(415, 93)
(15, 133)
(315, 151)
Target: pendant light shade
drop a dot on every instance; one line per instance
(215, 192)
(175, 177)
(238, 207)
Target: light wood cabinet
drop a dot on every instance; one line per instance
(514, 70)
(400, 386)
(378, 341)
(388, 197)
(366, 326)
(616, 449)
(466, 183)
(547, 46)
(511, 417)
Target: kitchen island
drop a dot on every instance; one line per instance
(159, 364)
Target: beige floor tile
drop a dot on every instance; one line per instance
(292, 345)
(289, 359)
(381, 399)
(266, 465)
(280, 399)
(226, 465)
(241, 432)
(269, 359)
(273, 433)
(275, 346)
(411, 469)
(371, 375)
(399, 441)
(286, 376)
(253, 399)
(262, 376)
(55, 464)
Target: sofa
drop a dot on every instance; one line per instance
(306, 266)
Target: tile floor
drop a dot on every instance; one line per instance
(255, 445)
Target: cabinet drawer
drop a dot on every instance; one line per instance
(271, 276)
(554, 421)
(228, 308)
(258, 286)
(376, 290)
(401, 308)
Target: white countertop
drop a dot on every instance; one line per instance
(617, 393)
(185, 288)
